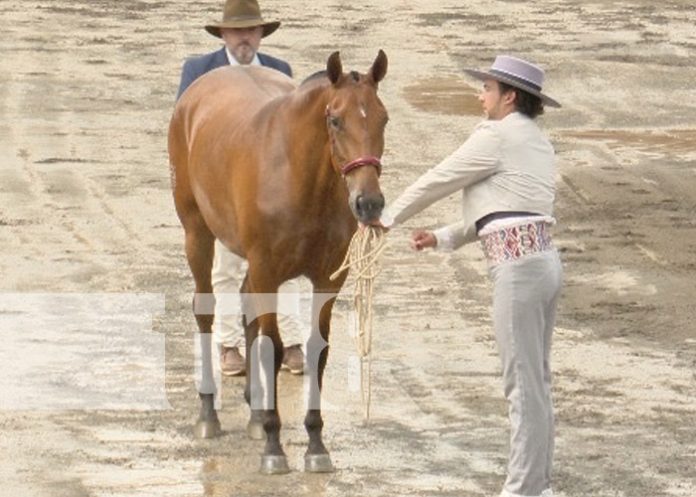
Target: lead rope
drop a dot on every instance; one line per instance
(366, 246)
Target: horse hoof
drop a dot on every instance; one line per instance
(274, 465)
(318, 463)
(255, 430)
(207, 429)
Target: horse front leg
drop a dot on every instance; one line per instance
(255, 429)
(199, 252)
(265, 355)
(208, 424)
(317, 459)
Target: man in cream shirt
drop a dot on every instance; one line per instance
(506, 173)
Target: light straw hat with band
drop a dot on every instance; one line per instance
(242, 14)
(518, 73)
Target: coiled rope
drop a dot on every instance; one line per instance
(366, 247)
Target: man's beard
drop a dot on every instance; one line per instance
(244, 53)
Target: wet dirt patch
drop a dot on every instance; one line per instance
(673, 140)
(444, 95)
(15, 222)
(61, 160)
(471, 18)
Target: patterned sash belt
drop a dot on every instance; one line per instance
(509, 244)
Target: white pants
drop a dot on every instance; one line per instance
(526, 293)
(228, 274)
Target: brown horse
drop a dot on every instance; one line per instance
(280, 174)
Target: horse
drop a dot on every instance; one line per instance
(281, 174)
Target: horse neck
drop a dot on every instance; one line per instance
(310, 146)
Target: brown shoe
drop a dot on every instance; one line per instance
(232, 363)
(293, 359)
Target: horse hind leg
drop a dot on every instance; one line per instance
(199, 251)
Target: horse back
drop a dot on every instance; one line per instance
(242, 88)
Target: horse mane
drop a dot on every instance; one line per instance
(310, 86)
(315, 83)
(322, 74)
(313, 77)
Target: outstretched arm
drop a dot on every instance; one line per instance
(475, 160)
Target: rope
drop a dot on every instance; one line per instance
(365, 248)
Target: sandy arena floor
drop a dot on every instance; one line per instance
(86, 92)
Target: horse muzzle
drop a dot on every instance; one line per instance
(368, 208)
(366, 199)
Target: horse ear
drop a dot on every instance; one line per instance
(334, 68)
(379, 67)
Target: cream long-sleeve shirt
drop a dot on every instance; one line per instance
(505, 165)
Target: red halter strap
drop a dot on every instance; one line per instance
(360, 162)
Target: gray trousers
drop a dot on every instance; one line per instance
(526, 293)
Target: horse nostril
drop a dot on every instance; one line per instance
(369, 207)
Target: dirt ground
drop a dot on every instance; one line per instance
(86, 92)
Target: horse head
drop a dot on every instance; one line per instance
(355, 120)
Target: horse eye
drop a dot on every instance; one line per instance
(335, 122)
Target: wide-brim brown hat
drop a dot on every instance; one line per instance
(518, 73)
(242, 14)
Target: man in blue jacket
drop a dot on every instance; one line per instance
(242, 29)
